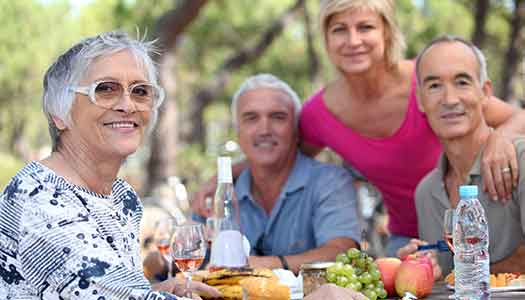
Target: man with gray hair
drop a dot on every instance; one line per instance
(453, 88)
(293, 209)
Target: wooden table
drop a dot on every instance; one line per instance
(440, 292)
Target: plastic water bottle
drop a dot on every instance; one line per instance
(471, 247)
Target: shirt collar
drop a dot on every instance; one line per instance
(297, 179)
(442, 167)
(474, 171)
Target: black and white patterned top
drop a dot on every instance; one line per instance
(62, 241)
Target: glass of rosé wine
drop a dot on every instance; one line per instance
(188, 246)
(161, 237)
(448, 225)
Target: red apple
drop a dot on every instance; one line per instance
(388, 267)
(415, 275)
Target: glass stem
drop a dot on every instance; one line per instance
(188, 285)
(168, 261)
(170, 267)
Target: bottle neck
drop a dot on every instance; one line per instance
(224, 170)
(224, 180)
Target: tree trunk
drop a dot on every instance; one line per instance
(512, 57)
(206, 94)
(482, 8)
(173, 23)
(161, 162)
(313, 57)
(163, 146)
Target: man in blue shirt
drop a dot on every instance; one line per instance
(293, 209)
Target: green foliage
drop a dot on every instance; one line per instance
(434, 18)
(26, 51)
(194, 166)
(10, 166)
(224, 27)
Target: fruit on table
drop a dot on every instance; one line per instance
(356, 270)
(415, 275)
(388, 266)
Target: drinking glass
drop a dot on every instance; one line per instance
(161, 237)
(448, 225)
(188, 246)
(212, 229)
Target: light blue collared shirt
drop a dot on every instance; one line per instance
(318, 203)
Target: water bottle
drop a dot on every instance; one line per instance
(227, 246)
(471, 244)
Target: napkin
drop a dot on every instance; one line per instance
(295, 283)
(230, 249)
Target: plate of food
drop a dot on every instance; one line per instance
(259, 282)
(499, 282)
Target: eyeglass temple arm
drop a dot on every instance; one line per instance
(79, 89)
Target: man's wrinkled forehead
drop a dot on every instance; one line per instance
(258, 96)
(443, 52)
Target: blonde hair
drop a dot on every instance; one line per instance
(395, 42)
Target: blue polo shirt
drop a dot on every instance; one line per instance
(317, 204)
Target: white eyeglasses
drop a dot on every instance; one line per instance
(106, 94)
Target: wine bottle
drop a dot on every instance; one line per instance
(224, 224)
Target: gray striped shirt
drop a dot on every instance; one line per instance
(62, 241)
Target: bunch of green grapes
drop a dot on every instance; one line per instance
(358, 271)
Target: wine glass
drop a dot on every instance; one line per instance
(448, 225)
(161, 237)
(188, 246)
(212, 229)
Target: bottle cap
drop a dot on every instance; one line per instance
(468, 191)
(224, 169)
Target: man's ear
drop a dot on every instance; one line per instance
(61, 125)
(487, 89)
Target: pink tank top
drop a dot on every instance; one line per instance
(394, 164)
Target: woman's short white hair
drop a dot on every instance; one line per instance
(265, 81)
(70, 67)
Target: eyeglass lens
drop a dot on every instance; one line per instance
(108, 93)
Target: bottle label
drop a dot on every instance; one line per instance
(224, 169)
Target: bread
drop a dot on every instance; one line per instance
(228, 281)
(233, 277)
(230, 292)
(259, 288)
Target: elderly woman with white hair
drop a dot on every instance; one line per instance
(69, 226)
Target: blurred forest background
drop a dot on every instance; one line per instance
(209, 47)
